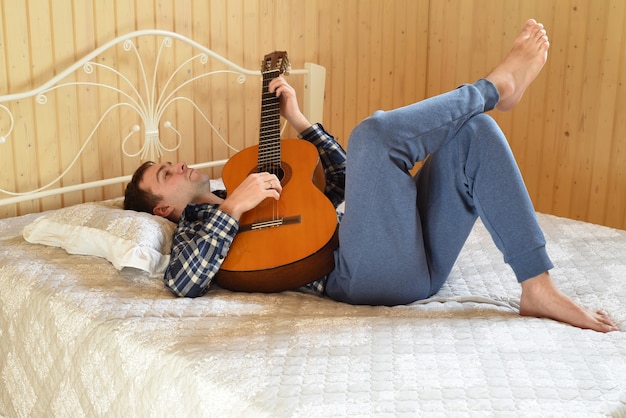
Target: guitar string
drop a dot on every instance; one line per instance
(271, 153)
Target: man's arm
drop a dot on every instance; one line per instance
(332, 155)
(333, 158)
(201, 243)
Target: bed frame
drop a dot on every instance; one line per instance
(159, 86)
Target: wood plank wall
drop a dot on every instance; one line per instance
(568, 134)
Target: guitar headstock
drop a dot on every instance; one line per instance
(277, 60)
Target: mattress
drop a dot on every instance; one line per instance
(80, 338)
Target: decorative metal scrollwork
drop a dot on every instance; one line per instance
(149, 104)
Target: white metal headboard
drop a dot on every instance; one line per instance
(149, 106)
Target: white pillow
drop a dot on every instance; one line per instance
(104, 229)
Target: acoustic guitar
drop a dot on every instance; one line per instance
(288, 243)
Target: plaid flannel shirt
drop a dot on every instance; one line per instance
(204, 233)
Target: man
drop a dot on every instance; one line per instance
(400, 235)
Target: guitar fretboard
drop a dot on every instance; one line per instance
(269, 138)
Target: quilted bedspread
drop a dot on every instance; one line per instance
(80, 339)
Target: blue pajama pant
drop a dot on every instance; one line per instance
(401, 234)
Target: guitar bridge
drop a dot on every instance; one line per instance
(271, 223)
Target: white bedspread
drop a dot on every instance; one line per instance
(78, 338)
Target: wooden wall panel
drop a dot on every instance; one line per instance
(568, 134)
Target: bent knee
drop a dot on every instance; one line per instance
(370, 132)
(483, 123)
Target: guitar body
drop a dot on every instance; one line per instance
(284, 255)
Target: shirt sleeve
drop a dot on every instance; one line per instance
(200, 245)
(333, 158)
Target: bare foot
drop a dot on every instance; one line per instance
(540, 298)
(521, 66)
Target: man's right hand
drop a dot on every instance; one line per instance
(252, 191)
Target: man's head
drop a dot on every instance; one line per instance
(136, 198)
(165, 189)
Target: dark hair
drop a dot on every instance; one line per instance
(136, 198)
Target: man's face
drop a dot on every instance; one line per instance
(177, 184)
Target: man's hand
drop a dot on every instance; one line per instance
(252, 191)
(289, 108)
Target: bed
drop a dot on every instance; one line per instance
(87, 327)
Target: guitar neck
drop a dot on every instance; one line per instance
(269, 138)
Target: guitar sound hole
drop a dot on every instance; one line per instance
(282, 171)
(276, 170)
